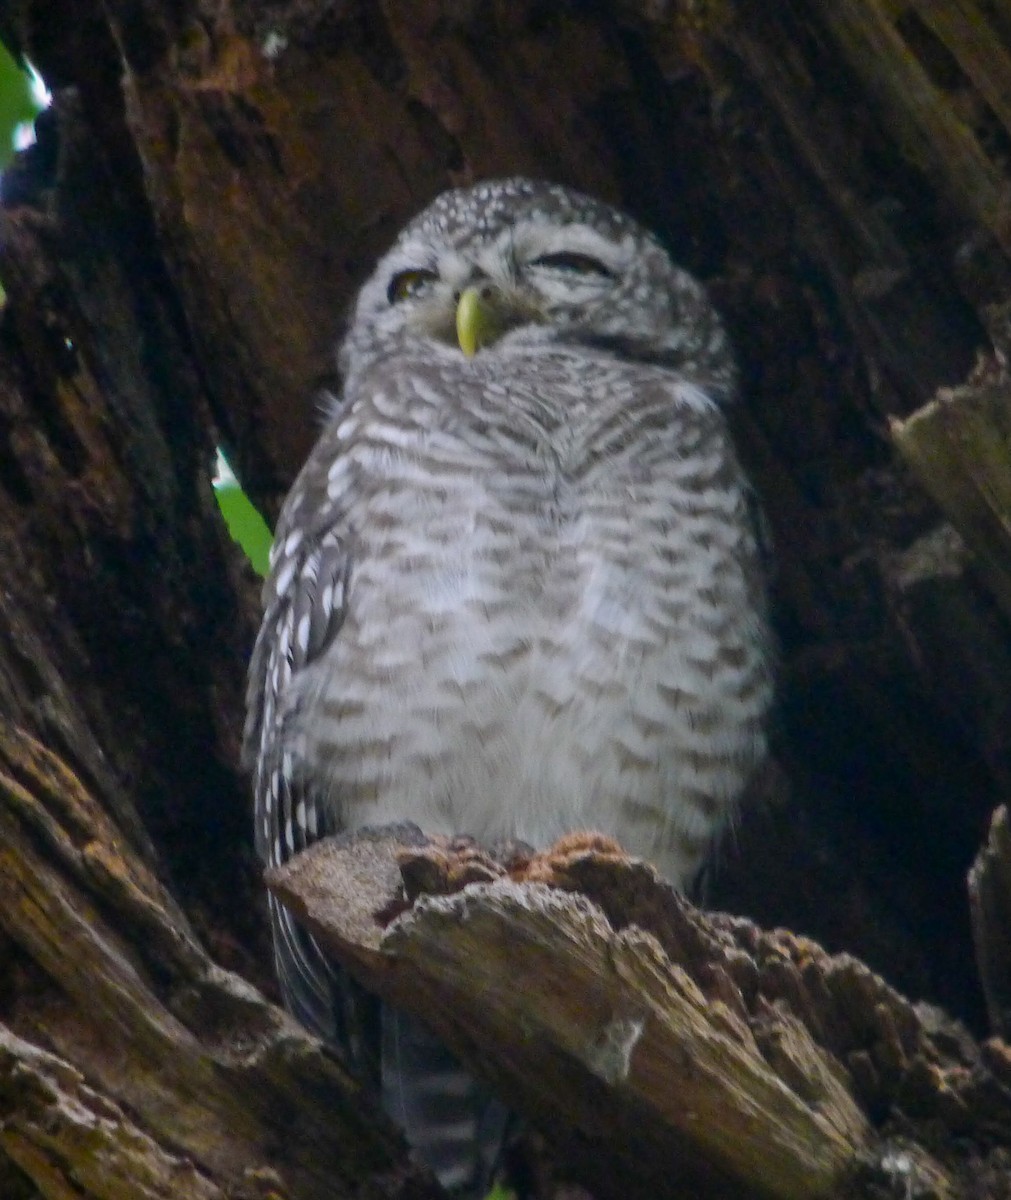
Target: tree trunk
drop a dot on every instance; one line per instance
(210, 186)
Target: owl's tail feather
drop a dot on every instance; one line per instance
(452, 1122)
(323, 997)
(303, 973)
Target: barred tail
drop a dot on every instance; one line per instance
(452, 1122)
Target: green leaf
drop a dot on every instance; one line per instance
(17, 102)
(244, 522)
(500, 1192)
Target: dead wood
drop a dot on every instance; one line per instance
(166, 1076)
(960, 447)
(678, 1044)
(990, 897)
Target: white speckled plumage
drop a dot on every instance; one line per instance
(517, 594)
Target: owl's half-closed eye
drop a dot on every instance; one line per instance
(571, 262)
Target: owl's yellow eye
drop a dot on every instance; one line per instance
(409, 284)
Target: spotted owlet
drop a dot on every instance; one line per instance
(516, 590)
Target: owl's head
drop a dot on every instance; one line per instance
(518, 265)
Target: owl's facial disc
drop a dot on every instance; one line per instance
(553, 269)
(527, 276)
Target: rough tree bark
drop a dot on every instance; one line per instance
(212, 182)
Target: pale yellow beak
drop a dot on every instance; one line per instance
(476, 325)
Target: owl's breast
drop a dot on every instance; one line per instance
(550, 626)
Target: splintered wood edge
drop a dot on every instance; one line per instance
(959, 445)
(339, 887)
(536, 985)
(548, 963)
(990, 906)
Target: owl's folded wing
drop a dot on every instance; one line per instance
(304, 600)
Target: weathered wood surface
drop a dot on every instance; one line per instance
(164, 1072)
(960, 447)
(593, 1027)
(668, 1041)
(990, 897)
(176, 253)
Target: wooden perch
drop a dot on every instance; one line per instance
(614, 1034)
(690, 1046)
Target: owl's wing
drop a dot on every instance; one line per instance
(304, 604)
(304, 601)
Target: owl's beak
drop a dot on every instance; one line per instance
(487, 311)
(476, 325)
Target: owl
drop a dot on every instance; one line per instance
(517, 589)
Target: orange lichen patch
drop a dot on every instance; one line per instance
(445, 865)
(554, 864)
